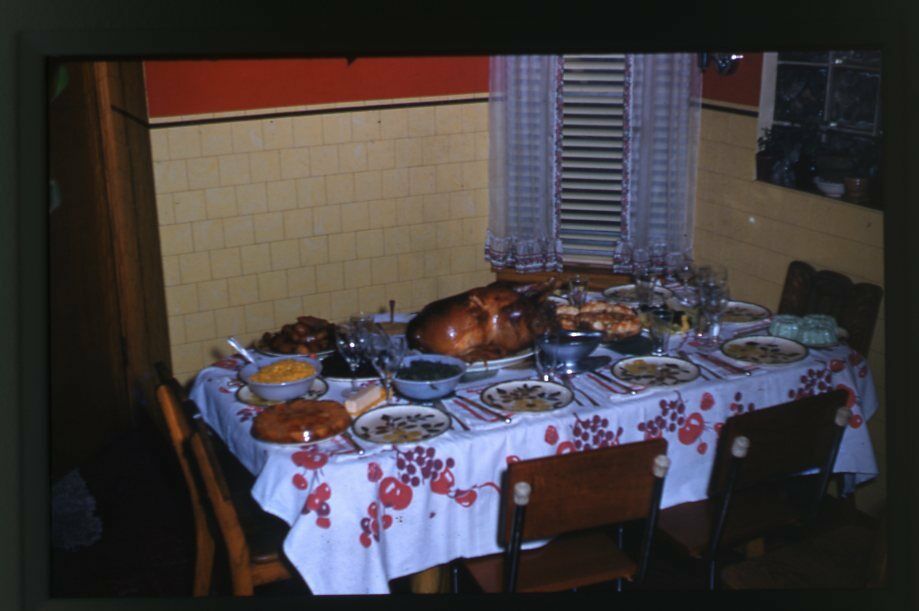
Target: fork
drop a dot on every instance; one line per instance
(568, 383)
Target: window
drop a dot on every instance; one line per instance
(820, 119)
(591, 164)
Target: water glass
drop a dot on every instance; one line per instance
(713, 301)
(386, 353)
(577, 290)
(546, 363)
(350, 343)
(645, 282)
(661, 329)
(657, 252)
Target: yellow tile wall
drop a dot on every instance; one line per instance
(756, 229)
(265, 219)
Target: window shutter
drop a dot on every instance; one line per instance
(591, 166)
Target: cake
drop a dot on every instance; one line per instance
(300, 420)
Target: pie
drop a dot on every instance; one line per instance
(300, 421)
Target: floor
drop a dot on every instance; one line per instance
(136, 481)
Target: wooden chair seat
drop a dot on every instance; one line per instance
(753, 512)
(569, 561)
(837, 559)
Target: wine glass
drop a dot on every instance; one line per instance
(685, 270)
(577, 290)
(657, 252)
(350, 339)
(386, 353)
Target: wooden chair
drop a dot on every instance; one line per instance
(757, 453)
(854, 306)
(252, 537)
(180, 431)
(851, 556)
(571, 495)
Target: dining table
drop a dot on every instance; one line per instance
(363, 513)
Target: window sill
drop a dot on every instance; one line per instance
(873, 202)
(599, 277)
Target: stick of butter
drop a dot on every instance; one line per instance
(366, 398)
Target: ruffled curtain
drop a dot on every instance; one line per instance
(663, 101)
(524, 140)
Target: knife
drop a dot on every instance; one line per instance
(724, 364)
(507, 419)
(441, 406)
(625, 388)
(702, 367)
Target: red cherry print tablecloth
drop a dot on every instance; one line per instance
(359, 520)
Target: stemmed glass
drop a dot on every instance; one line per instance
(657, 252)
(351, 339)
(386, 353)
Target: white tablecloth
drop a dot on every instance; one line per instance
(355, 525)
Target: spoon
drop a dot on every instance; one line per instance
(245, 353)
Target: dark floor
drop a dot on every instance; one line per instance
(136, 482)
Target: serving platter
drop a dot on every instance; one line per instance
(562, 298)
(527, 396)
(764, 350)
(245, 395)
(261, 348)
(507, 361)
(401, 423)
(655, 370)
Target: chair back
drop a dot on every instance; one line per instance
(583, 490)
(783, 440)
(854, 306)
(221, 502)
(179, 425)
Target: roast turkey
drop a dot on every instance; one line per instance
(484, 323)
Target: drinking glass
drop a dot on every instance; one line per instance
(685, 271)
(657, 251)
(577, 290)
(386, 353)
(661, 328)
(546, 364)
(673, 261)
(350, 342)
(713, 300)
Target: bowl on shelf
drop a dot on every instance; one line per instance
(428, 389)
(280, 391)
(829, 188)
(568, 348)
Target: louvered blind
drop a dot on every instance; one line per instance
(591, 172)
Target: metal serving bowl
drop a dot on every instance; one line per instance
(568, 348)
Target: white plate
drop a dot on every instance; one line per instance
(655, 370)
(743, 313)
(401, 423)
(245, 394)
(563, 298)
(527, 396)
(506, 361)
(764, 350)
(626, 293)
(260, 347)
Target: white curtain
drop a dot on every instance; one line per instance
(663, 96)
(524, 127)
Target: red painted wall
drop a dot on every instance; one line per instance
(186, 87)
(742, 87)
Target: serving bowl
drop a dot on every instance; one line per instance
(280, 391)
(568, 348)
(425, 390)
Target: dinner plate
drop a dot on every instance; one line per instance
(260, 347)
(507, 361)
(562, 299)
(245, 394)
(401, 423)
(527, 396)
(626, 293)
(764, 350)
(655, 370)
(740, 312)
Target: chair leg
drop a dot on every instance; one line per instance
(711, 575)
(454, 578)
